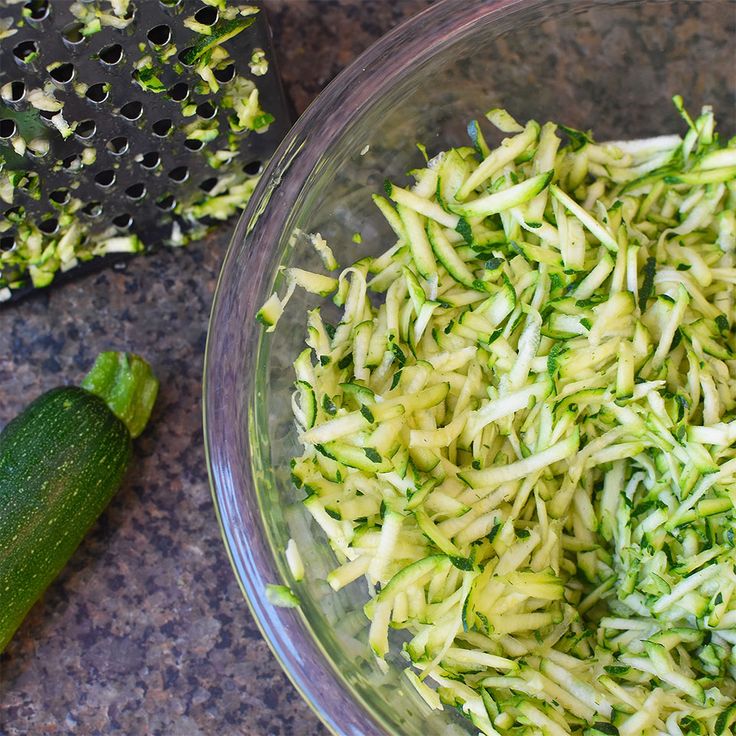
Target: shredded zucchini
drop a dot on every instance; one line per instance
(281, 596)
(522, 432)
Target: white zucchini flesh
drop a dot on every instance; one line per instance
(522, 433)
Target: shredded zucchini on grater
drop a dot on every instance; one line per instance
(522, 432)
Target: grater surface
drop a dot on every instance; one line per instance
(133, 169)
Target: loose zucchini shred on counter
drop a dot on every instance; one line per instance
(522, 432)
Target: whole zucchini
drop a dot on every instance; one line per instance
(61, 461)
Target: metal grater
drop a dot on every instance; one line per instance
(157, 140)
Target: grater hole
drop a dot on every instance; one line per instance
(25, 50)
(208, 184)
(223, 76)
(37, 9)
(7, 128)
(14, 92)
(86, 129)
(13, 213)
(150, 160)
(92, 209)
(253, 168)
(29, 182)
(49, 226)
(62, 73)
(170, 3)
(122, 221)
(136, 191)
(60, 196)
(206, 111)
(7, 243)
(207, 16)
(131, 110)
(159, 35)
(185, 54)
(97, 92)
(162, 127)
(179, 174)
(38, 147)
(72, 163)
(105, 178)
(46, 114)
(118, 145)
(72, 33)
(193, 144)
(166, 203)
(111, 54)
(179, 92)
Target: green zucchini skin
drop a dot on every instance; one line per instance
(61, 461)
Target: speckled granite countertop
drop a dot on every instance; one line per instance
(145, 631)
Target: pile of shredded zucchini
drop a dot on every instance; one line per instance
(522, 432)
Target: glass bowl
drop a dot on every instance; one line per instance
(608, 66)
